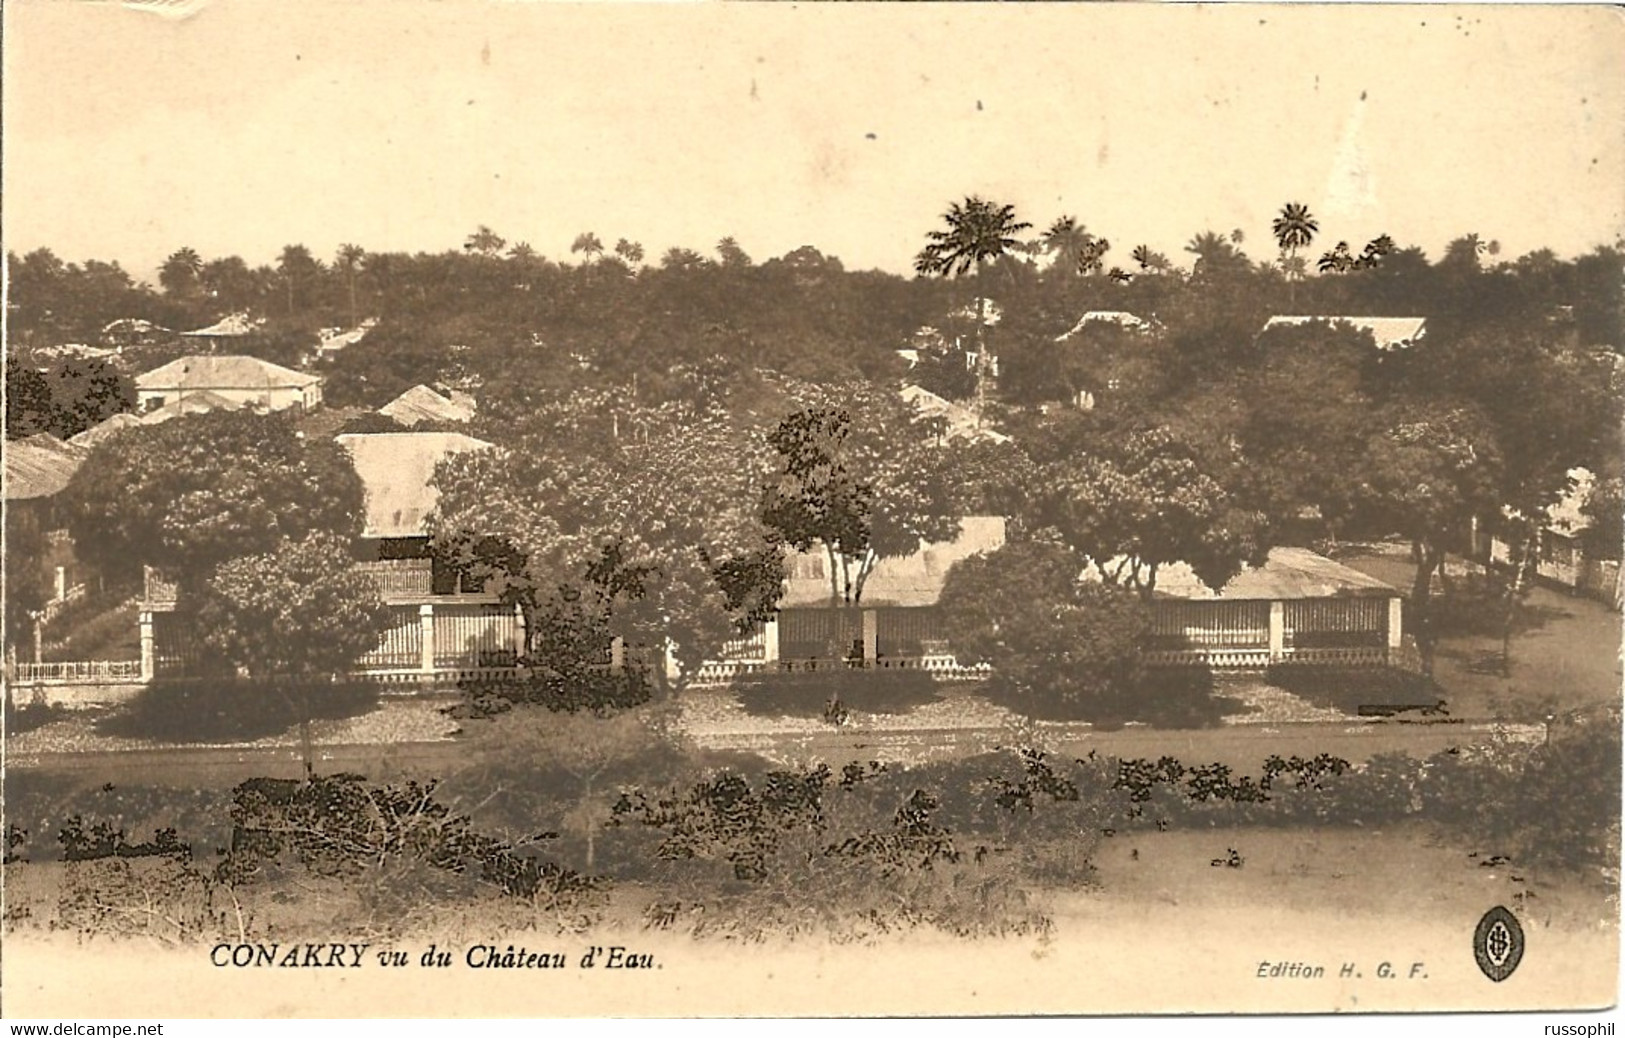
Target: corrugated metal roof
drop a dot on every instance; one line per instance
(915, 580)
(40, 466)
(230, 325)
(962, 421)
(395, 468)
(207, 371)
(1287, 574)
(102, 430)
(1389, 332)
(195, 401)
(422, 404)
(1121, 318)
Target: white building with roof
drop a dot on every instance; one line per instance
(1389, 333)
(239, 380)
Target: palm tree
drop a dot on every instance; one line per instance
(1120, 275)
(587, 242)
(1215, 256)
(979, 232)
(1339, 260)
(348, 261)
(521, 252)
(1150, 260)
(1065, 240)
(296, 264)
(678, 258)
(1294, 229)
(1374, 251)
(485, 241)
(630, 251)
(179, 274)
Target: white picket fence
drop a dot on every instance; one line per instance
(77, 672)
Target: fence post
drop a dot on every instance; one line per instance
(426, 629)
(617, 655)
(1277, 631)
(149, 654)
(871, 636)
(770, 641)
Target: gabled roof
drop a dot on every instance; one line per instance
(396, 468)
(915, 580)
(1121, 318)
(228, 326)
(332, 340)
(1287, 574)
(40, 466)
(1389, 332)
(207, 371)
(962, 422)
(422, 404)
(194, 401)
(102, 430)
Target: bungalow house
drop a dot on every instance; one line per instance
(423, 404)
(1561, 558)
(1119, 318)
(438, 631)
(438, 626)
(224, 332)
(1389, 333)
(959, 421)
(38, 467)
(111, 426)
(243, 381)
(1296, 607)
(895, 625)
(332, 341)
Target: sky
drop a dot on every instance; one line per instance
(247, 125)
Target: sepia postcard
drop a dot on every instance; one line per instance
(542, 510)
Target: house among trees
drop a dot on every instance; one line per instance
(1561, 557)
(959, 421)
(225, 331)
(1120, 318)
(439, 627)
(423, 404)
(438, 630)
(1297, 607)
(1390, 333)
(237, 380)
(110, 426)
(895, 624)
(331, 341)
(39, 553)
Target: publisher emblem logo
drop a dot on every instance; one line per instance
(1498, 944)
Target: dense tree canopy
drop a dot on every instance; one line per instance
(194, 492)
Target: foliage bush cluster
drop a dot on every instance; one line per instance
(341, 825)
(206, 709)
(1556, 804)
(82, 842)
(954, 847)
(592, 690)
(40, 807)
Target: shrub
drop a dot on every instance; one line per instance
(339, 825)
(586, 689)
(166, 899)
(207, 710)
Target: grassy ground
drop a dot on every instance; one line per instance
(1164, 931)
